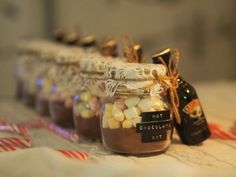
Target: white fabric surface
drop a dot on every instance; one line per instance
(212, 158)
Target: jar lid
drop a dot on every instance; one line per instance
(70, 56)
(134, 77)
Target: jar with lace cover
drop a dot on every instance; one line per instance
(43, 82)
(28, 67)
(62, 93)
(88, 101)
(136, 117)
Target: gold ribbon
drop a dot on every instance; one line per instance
(172, 75)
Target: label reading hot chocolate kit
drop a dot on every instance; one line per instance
(154, 126)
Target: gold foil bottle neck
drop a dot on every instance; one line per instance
(88, 41)
(59, 34)
(109, 48)
(138, 53)
(71, 38)
(165, 54)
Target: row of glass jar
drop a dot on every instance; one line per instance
(132, 117)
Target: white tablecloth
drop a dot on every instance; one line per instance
(213, 158)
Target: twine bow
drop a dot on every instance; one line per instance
(172, 75)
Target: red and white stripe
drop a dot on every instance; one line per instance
(16, 142)
(7, 148)
(74, 154)
(218, 133)
(13, 128)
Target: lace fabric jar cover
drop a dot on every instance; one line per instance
(48, 52)
(28, 69)
(136, 117)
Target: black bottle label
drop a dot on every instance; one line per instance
(193, 109)
(155, 126)
(196, 119)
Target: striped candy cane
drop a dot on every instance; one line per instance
(8, 148)
(67, 153)
(71, 136)
(13, 128)
(218, 132)
(16, 142)
(74, 154)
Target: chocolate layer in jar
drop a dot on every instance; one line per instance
(88, 128)
(128, 141)
(29, 98)
(61, 109)
(42, 105)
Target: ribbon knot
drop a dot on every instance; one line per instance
(172, 76)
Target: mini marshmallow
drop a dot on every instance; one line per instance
(113, 124)
(145, 104)
(85, 96)
(132, 112)
(117, 113)
(127, 124)
(76, 109)
(105, 122)
(108, 110)
(132, 101)
(120, 103)
(159, 105)
(136, 120)
(86, 114)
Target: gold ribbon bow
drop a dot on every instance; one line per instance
(130, 50)
(172, 76)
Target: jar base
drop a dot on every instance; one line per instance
(88, 128)
(128, 141)
(60, 114)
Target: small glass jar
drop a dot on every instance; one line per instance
(136, 118)
(89, 100)
(62, 93)
(47, 60)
